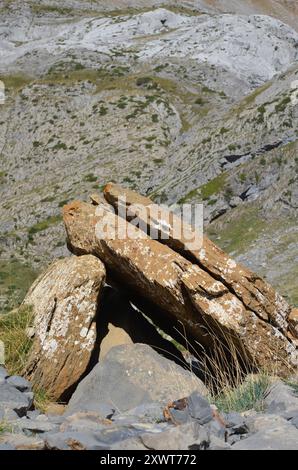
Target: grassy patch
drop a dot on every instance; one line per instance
(214, 186)
(41, 399)
(13, 334)
(5, 427)
(250, 99)
(90, 178)
(249, 395)
(44, 225)
(282, 105)
(15, 82)
(15, 279)
(239, 233)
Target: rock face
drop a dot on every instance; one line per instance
(255, 294)
(131, 375)
(64, 300)
(207, 307)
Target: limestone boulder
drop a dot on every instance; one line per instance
(131, 375)
(255, 293)
(208, 308)
(64, 300)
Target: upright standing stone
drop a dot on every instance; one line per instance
(64, 300)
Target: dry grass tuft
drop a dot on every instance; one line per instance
(17, 344)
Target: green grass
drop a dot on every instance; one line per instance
(43, 9)
(15, 82)
(13, 334)
(204, 192)
(41, 399)
(43, 225)
(90, 178)
(239, 233)
(5, 427)
(282, 105)
(247, 396)
(15, 279)
(213, 187)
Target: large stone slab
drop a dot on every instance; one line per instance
(64, 300)
(131, 375)
(255, 293)
(184, 291)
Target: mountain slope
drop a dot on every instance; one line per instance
(199, 108)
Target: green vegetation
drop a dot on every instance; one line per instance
(200, 101)
(250, 99)
(261, 113)
(13, 327)
(249, 395)
(15, 279)
(41, 399)
(42, 9)
(43, 225)
(103, 110)
(214, 186)
(90, 178)
(209, 189)
(282, 105)
(60, 146)
(238, 234)
(15, 82)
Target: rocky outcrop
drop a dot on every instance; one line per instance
(131, 375)
(202, 299)
(255, 294)
(64, 300)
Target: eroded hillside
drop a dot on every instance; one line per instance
(184, 104)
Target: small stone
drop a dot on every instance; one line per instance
(179, 416)
(280, 399)
(30, 396)
(199, 408)
(187, 436)
(20, 383)
(56, 409)
(34, 426)
(74, 441)
(13, 399)
(33, 414)
(7, 414)
(218, 444)
(22, 442)
(217, 429)
(282, 437)
(233, 419)
(146, 413)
